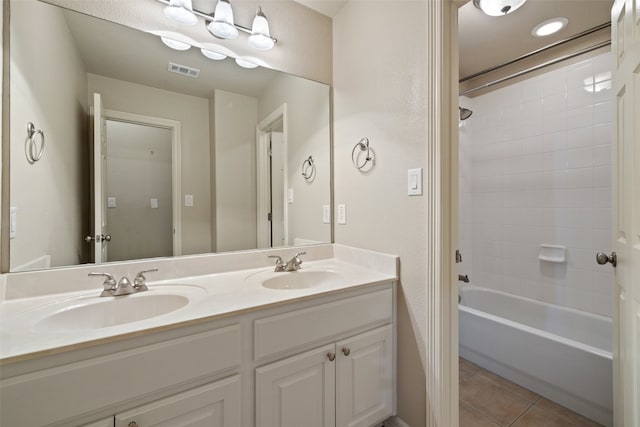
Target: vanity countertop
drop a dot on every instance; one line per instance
(24, 335)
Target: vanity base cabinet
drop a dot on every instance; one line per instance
(345, 384)
(213, 405)
(297, 391)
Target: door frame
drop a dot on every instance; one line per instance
(176, 164)
(263, 176)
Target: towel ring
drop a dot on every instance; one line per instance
(34, 144)
(308, 169)
(363, 145)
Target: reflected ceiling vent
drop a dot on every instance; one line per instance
(184, 70)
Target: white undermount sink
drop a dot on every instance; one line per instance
(102, 312)
(300, 279)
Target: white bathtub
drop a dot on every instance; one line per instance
(560, 353)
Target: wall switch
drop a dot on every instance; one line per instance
(154, 203)
(326, 214)
(13, 222)
(342, 214)
(188, 199)
(290, 195)
(111, 202)
(414, 182)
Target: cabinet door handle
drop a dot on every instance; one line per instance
(331, 356)
(346, 351)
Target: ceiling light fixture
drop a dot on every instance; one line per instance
(245, 63)
(181, 12)
(222, 25)
(550, 26)
(174, 44)
(498, 7)
(260, 37)
(213, 54)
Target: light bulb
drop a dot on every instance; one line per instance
(260, 37)
(213, 55)
(222, 24)
(181, 12)
(174, 44)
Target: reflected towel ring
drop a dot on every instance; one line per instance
(363, 144)
(308, 169)
(34, 146)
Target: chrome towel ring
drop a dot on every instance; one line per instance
(356, 155)
(308, 169)
(34, 145)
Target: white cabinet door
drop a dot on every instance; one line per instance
(213, 405)
(364, 393)
(298, 391)
(107, 422)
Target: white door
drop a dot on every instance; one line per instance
(100, 237)
(263, 174)
(214, 405)
(625, 19)
(278, 154)
(364, 384)
(298, 391)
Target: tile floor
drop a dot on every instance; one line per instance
(487, 400)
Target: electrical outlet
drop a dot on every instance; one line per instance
(342, 214)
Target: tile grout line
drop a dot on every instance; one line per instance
(524, 412)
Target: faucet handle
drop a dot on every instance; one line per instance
(109, 283)
(139, 282)
(279, 262)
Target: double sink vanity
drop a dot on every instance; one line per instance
(216, 340)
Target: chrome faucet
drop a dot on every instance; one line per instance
(124, 286)
(292, 265)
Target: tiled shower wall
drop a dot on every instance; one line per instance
(535, 168)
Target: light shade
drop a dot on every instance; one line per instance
(174, 44)
(260, 37)
(213, 54)
(550, 26)
(222, 25)
(245, 63)
(498, 7)
(181, 12)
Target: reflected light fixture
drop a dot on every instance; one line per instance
(550, 26)
(213, 54)
(181, 12)
(245, 63)
(174, 44)
(498, 7)
(222, 25)
(260, 38)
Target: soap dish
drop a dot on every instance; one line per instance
(553, 253)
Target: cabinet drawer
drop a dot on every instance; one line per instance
(77, 388)
(289, 331)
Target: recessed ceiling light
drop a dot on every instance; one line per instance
(175, 44)
(550, 26)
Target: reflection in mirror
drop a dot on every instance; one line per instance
(141, 162)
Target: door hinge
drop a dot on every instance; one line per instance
(458, 256)
(269, 216)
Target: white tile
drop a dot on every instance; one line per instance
(573, 237)
(577, 73)
(554, 82)
(580, 178)
(532, 127)
(580, 158)
(555, 122)
(602, 197)
(520, 251)
(602, 155)
(532, 110)
(580, 117)
(603, 112)
(602, 240)
(602, 218)
(532, 89)
(510, 97)
(575, 197)
(603, 134)
(580, 137)
(554, 103)
(580, 258)
(578, 96)
(602, 63)
(574, 217)
(512, 148)
(602, 176)
(580, 279)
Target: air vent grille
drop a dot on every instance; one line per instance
(184, 70)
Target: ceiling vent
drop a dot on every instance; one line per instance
(183, 69)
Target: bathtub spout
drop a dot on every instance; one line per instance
(464, 278)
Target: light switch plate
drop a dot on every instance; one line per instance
(13, 222)
(111, 202)
(188, 200)
(342, 214)
(154, 203)
(290, 195)
(326, 214)
(414, 182)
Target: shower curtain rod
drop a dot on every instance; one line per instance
(537, 67)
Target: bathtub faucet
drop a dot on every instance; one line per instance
(464, 278)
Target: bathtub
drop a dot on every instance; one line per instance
(557, 352)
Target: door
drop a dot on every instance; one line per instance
(625, 19)
(100, 238)
(214, 405)
(364, 389)
(277, 190)
(298, 391)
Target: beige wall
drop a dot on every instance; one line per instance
(235, 151)
(139, 169)
(52, 214)
(193, 114)
(307, 135)
(380, 92)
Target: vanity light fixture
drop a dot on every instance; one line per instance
(181, 12)
(221, 23)
(213, 55)
(175, 44)
(245, 63)
(550, 26)
(498, 7)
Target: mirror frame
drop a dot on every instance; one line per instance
(6, 148)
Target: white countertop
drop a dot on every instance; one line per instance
(23, 334)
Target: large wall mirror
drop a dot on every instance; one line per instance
(153, 152)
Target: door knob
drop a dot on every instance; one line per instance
(106, 238)
(331, 356)
(602, 258)
(346, 351)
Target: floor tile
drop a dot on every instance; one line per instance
(492, 400)
(466, 369)
(537, 417)
(470, 417)
(519, 391)
(567, 414)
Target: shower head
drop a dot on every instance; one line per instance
(465, 113)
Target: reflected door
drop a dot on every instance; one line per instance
(100, 237)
